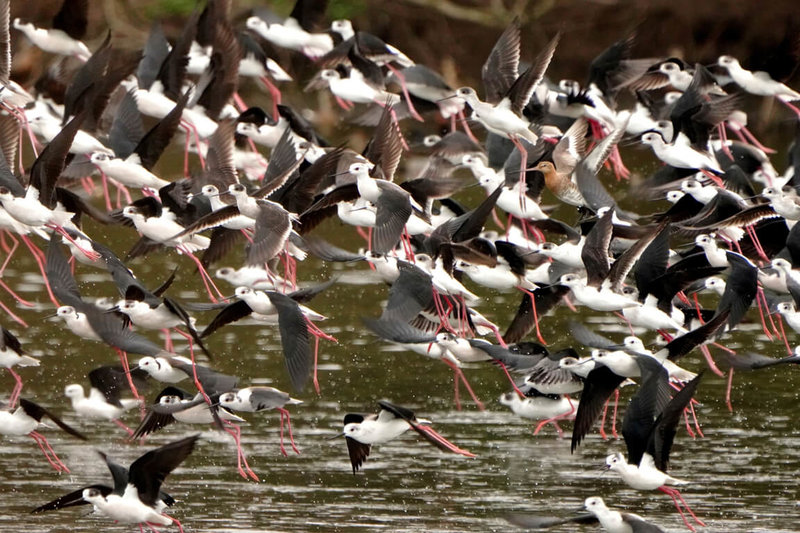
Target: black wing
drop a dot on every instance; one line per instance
(648, 402)
(294, 338)
(72, 499)
(358, 453)
(37, 412)
(148, 472)
(600, 384)
(230, 313)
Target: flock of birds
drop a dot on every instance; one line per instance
(730, 230)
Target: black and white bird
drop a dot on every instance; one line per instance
(26, 419)
(256, 399)
(136, 496)
(362, 431)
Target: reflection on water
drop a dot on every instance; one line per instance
(743, 473)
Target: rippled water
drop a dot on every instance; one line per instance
(743, 473)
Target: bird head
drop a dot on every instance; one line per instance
(73, 391)
(615, 461)
(93, 496)
(509, 398)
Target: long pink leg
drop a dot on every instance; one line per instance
(513, 384)
(14, 295)
(763, 296)
(404, 88)
(122, 190)
(724, 138)
(275, 93)
(90, 254)
(555, 418)
(285, 412)
(456, 395)
(676, 494)
(17, 388)
(240, 105)
(696, 422)
(317, 333)
(204, 275)
(178, 524)
(728, 390)
(790, 106)
(711, 364)
(14, 317)
(669, 493)
(460, 374)
(241, 459)
(52, 452)
(535, 314)
(168, 340)
(614, 415)
(441, 440)
(688, 426)
(756, 142)
(123, 357)
(9, 251)
(47, 450)
(344, 104)
(783, 334)
(38, 256)
(106, 195)
(465, 125)
(121, 424)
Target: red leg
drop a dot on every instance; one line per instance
(47, 450)
(669, 493)
(9, 251)
(121, 424)
(123, 357)
(14, 295)
(285, 412)
(205, 276)
(728, 390)
(458, 371)
(241, 459)
(510, 379)
(404, 88)
(783, 334)
(535, 315)
(10, 313)
(17, 388)
(177, 524)
(614, 414)
(711, 364)
(275, 93)
(555, 418)
(106, 195)
(38, 256)
(465, 125)
(456, 395)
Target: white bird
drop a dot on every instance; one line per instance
(136, 497)
(362, 431)
(680, 156)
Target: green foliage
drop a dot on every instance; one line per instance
(162, 8)
(337, 9)
(349, 9)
